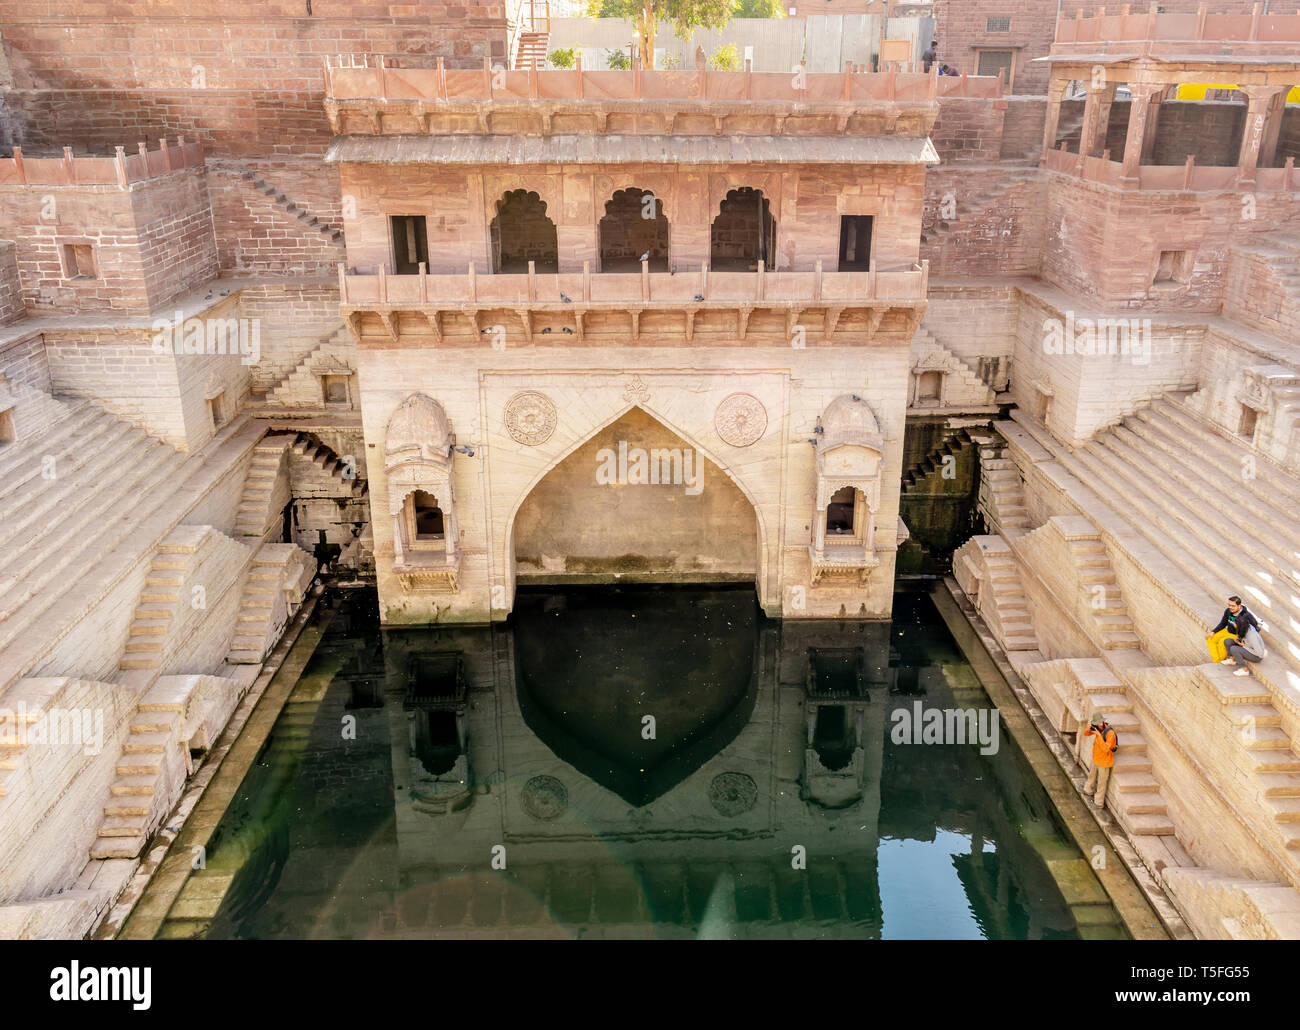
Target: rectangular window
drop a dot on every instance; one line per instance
(79, 261)
(997, 24)
(335, 389)
(410, 244)
(1249, 419)
(1174, 266)
(990, 62)
(217, 406)
(855, 243)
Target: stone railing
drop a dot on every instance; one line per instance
(119, 170)
(1230, 34)
(347, 79)
(1186, 176)
(626, 289)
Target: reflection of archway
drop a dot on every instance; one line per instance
(522, 232)
(635, 502)
(743, 233)
(590, 664)
(634, 225)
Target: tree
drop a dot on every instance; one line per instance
(563, 58)
(725, 58)
(759, 9)
(686, 16)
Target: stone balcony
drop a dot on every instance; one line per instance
(120, 170)
(382, 100)
(1173, 178)
(1189, 38)
(807, 308)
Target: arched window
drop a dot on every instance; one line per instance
(634, 227)
(426, 519)
(521, 232)
(743, 233)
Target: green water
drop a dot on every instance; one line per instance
(636, 762)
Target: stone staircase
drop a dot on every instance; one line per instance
(273, 592)
(266, 489)
(1185, 514)
(292, 209)
(963, 386)
(1220, 906)
(932, 463)
(189, 559)
(1102, 598)
(934, 227)
(1001, 491)
(1011, 622)
(104, 529)
(155, 758)
(56, 518)
(302, 387)
(33, 411)
(310, 450)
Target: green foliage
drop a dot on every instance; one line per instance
(686, 15)
(563, 58)
(759, 9)
(725, 59)
(618, 60)
(670, 62)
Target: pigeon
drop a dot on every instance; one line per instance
(547, 329)
(564, 297)
(225, 293)
(699, 297)
(208, 295)
(673, 270)
(568, 331)
(645, 257)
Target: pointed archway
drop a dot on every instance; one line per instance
(635, 502)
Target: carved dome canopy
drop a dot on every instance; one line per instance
(849, 420)
(417, 432)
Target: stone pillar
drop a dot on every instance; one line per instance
(1055, 94)
(1153, 125)
(1145, 98)
(1096, 117)
(1253, 138)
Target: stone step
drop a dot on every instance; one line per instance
(1261, 715)
(1108, 702)
(1279, 784)
(1272, 760)
(107, 848)
(123, 825)
(1264, 738)
(133, 786)
(1151, 803)
(129, 664)
(147, 743)
(138, 765)
(1131, 782)
(143, 645)
(149, 627)
(125, 808)
(1284, 809)
(1148, 825)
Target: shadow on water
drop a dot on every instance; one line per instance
(775, 797)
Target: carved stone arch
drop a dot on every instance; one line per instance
(507, 555)
(850, 454)
(623, 234)
(418, 462)
(521, 227)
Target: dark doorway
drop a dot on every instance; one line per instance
(634, 226)
(855, 243)
(410, 244)
(522, 232)
(743, 233)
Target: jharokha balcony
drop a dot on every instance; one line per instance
(810, 308)
(1152, 56)
(381, 100)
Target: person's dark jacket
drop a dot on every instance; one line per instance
(1238, 622)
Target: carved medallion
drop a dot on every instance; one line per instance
(741, 420)
(637, 392)
(530, 418)
(732, 793)
(544, 797)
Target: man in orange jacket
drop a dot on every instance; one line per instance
(1103, 758)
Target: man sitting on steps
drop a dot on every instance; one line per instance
(1238, 635)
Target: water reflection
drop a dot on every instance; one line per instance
(506, 781)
